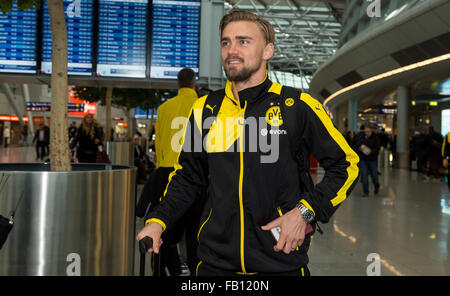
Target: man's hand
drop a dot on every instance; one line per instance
(445, 163)
(293, 228)
(153, 230)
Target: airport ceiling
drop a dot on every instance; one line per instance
(307, 32)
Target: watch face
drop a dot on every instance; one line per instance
(308, 216)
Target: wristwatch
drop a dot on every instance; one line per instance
(307, 214)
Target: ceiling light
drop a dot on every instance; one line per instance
(388, 74)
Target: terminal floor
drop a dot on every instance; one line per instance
(406, 225)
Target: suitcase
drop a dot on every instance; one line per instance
(145, 244)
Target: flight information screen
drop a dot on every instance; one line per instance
(18, 41)
(122, 38)
(79, 19)
(175, 37)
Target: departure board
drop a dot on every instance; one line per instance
(79, 19)
(18, 41)
(122, 38)
(175, 37)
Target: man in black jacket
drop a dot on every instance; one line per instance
(42, 139)
(247, 195)
(367, 144)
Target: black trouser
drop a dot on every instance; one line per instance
(41, 150)
(188, 223)
(87, 157)
(208, 270)
(169, 258)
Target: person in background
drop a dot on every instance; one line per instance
(166, 158)
(41, 138)
(367, 145)
(445, 153)
(88, 137)
(25, 134)
(1, 134)
(432, 146)
(6, 136)
(72, 130)
(384, 139)
(347, 135)
(141, 160)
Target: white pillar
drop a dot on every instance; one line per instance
(26, 97)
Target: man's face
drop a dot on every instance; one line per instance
(368, 131)
(244, 50)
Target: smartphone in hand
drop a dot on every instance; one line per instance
(276, 231)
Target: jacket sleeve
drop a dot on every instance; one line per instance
(445, 149)
(189, 179)
(334, 154)
(375, 146)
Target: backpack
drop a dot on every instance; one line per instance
(299, 149)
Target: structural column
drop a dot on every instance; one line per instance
(210, 63)
(11, 99)
(353, 115)
(26, 98)
(402, 127)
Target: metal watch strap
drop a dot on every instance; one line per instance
(307, 214)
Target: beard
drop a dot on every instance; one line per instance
(244, 74)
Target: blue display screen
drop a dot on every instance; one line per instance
(18, 41)
(79, 20)
(175, 37)
(46, 107)
(122, 38)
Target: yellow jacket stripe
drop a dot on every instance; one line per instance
(351, 157)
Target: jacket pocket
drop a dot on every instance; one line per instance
(280, 213)
(203, 225)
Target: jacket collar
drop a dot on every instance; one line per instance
(186, 91)
(251, 94)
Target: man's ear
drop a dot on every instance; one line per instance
(268, 51)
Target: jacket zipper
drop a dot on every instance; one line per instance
(241, 181)
(201, 227)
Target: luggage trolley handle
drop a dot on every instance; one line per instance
(145, 244)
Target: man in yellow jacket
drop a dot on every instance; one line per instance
(177, 107)
(173, 110)
(446, 155)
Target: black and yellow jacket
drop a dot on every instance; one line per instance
(446, 147)
(244, 193)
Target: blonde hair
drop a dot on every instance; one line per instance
(88, 129)
(241, 15)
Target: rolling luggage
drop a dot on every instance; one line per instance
(145, 244)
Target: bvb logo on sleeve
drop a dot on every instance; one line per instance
(289, 102)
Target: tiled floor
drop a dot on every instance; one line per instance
(406, 225)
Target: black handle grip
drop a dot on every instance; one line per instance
(145, 244)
